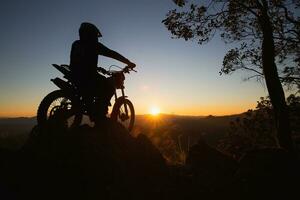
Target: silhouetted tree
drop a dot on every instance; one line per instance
(267, 35)
(256, 129)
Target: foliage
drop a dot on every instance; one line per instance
(240, 22)
(168, 137)
(256, 129)
(173, 148)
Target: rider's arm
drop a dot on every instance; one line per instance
(104, 51)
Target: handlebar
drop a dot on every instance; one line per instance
(126, 69)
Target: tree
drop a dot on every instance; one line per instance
(267, 35)
(255, 129)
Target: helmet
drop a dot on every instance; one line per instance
(88, 31)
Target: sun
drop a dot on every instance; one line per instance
(154, 111)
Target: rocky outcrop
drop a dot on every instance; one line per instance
(106, 162)
(103, 162)
(269, 173)
(211, 170)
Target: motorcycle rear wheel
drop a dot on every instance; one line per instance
(59, 103)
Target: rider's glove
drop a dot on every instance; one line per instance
(131, 65)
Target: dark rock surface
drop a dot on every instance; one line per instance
(267, 174)
(103, 162)
(106, 162)
(211, 171)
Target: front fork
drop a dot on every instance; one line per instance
(123, 97)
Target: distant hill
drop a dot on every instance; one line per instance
(14, 131)
(193, 127)
(17, 121)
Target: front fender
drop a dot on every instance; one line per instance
(119, 99)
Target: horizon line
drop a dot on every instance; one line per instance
(145, 114)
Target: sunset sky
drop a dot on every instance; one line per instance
(175, 76)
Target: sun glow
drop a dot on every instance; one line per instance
(154, 111)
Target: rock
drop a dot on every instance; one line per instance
(211, 168)
(269, 173)
(103, 162)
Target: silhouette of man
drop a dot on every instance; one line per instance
(83, 64)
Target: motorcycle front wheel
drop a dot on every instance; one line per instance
(60, 105)
(123, 112)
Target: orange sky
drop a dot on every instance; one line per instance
(20, 110)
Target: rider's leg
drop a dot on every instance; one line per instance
(109, 90)
(86, 89)
(105, 90)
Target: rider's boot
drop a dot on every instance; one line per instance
(100, 112)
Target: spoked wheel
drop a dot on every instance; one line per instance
(59, 105)
(123, 112)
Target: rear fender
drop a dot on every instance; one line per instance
(62, 84)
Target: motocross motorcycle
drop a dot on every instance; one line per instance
(69, 103)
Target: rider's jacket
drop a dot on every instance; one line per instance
(84, 58)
